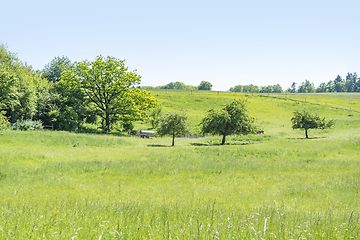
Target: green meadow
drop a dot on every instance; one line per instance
(279, 185)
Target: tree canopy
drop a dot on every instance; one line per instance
(350, 84)
(304, 120)
(174, 124)
(306, 87)
(107, 85)
(205, 85)
(178, 86)
(4, 123)
(232, 119)
(52, 71)
(23, 93)
(245, 88)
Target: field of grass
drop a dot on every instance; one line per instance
(60, 185)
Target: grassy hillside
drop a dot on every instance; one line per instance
(60, 185)
(272, 112)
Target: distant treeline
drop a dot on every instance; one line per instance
(173, 85)
(204, 85)
(256, 89)
(350, 84)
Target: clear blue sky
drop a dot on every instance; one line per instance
(224, 42)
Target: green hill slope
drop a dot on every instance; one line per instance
(272, 112)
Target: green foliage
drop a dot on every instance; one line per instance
(52, 71)
(178, 86)
(27, 125)
(154, 115)
(205, 85)
(292, 89)
(4, 123)
(8, 91)
(106, 84)
(173, 124)
(323, 88)
(306, 87)
(245, 89)
(255, 89)
(69, 109)
(23, 93)
(8, 60)
(338, 85)
(232, 119)
(45, 100)
(352, 82)
(128, 126)
(304, 120)
(271, 89)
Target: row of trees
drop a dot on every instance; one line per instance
(350, 84)
(256, 89)
(204, 85)
(67, 95)
(232, 119)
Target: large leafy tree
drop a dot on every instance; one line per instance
(107, 85)
(304, 120)
(232, 119)
(173, 124)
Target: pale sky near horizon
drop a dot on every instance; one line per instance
(224, 42)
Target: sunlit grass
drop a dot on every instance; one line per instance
(59, 185)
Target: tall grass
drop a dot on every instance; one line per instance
(59, 185)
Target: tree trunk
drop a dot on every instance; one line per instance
(306, 134)
(223, 140)
(107, 122)
(173, 142)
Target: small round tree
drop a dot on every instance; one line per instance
(205, 85)
(173, 124)
(304, 120)
(232, 119)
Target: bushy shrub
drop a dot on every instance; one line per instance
(128, 126)
(25, 125)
